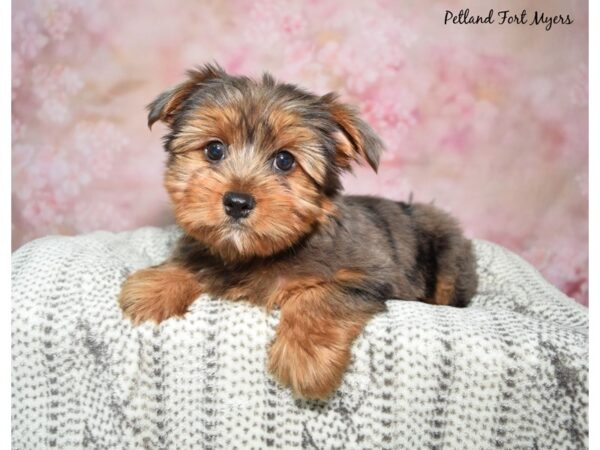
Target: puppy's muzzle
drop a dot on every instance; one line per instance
(238, 205)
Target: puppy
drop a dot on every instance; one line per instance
(254, 175)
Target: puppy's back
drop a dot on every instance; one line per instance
(420, 246)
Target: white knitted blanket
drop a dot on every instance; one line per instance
(509, 371)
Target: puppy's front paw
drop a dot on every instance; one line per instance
(158, 293)
(312, 371)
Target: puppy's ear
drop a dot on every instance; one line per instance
(355, 139)
(166, 104)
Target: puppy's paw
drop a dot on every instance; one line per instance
(312, 371)
(158, 293)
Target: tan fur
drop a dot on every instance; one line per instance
(444, 290)
(158, 293)
(311, 349)
(351, 140)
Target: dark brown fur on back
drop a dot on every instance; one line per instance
(327, 261)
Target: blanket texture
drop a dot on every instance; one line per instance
(509, 371)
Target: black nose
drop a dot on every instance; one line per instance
(238, 205)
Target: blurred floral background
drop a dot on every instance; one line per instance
(488, 121)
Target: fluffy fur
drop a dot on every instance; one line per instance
(327, 261)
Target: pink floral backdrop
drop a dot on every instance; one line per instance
(488, 121)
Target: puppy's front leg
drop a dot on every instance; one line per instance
(319, 321)
(158, 293)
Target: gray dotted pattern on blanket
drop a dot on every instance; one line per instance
(510, 371)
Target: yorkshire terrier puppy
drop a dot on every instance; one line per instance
(254, 175)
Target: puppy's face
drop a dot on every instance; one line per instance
(254, 165)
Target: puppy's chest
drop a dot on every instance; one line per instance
(255, 285)
(267, 283)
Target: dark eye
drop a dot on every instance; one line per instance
(284, 161)
(215, 151)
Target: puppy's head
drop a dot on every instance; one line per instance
(254, 165)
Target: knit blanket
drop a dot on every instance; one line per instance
(509, 371)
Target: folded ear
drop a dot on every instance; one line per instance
(165, 106)
(355, 139)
